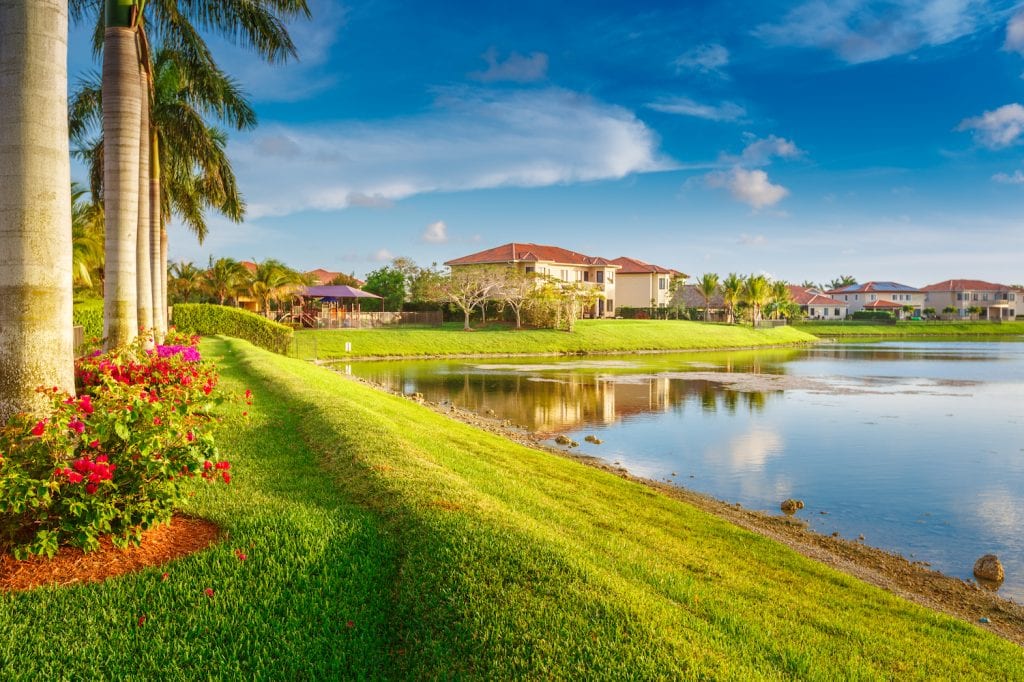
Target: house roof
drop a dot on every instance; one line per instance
(335, 291)
(966, 285)
(804, 296)
(882, 303)
(634, 266)
(887, 287)
(515, 253)
(249, 265)
(325, 277)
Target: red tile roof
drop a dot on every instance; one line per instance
(965, 285)
(804, 296)
(633, 266)
(881, 303)
(515, 253)
(325, 277)
(249, 265)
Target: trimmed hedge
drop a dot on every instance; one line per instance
(89, 315)
(876, 315)
(208, 318)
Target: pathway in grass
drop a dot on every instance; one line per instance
(454, 552)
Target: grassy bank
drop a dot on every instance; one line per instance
(590, 336)
(910, 328)
(384, 540)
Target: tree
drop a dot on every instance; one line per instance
(907, 310)
(707, 285)
(779, 298)
(224, 278)
(732, 288)
(86, 237)
(35, 205)
(576, 297)
(466, 287)
(929, 313)
(756, 293)
(842, 281)
(515, 288)
(270, 280)
(185, 279)
(389, 283)
(346, 280)
(425, 286)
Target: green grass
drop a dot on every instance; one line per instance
(909, 328)
(457, 553)
(590, 336)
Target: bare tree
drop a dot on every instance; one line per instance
(468, 287)
(515, 288)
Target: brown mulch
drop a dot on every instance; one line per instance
(183, 536)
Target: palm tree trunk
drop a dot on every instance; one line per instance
(157, 242)
(122, 111)
(35, 205)
(163, 271)
(143, 271)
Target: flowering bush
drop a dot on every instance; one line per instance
(117, 458)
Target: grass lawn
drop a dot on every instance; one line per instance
(909, 328)
(590, 336)
(454, 552)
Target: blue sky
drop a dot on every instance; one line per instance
(801, 139)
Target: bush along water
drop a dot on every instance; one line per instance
(117, 458)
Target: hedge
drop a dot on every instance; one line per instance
(208, 318)
(877, 315)
(89, 315)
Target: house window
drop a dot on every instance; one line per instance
(611, 306)
(530, 268)
(586, 276)
(872, 297)
(974, 297)
(837, 312)
(812, 312)
(600, 276)
(824, 311)
(895, 297)
(661, 283)
(855, 296)
(960, 296)
(984, 297)
(846, 297)
(1013, 297)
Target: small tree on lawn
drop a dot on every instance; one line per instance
(929, 313)
(907, 310)
(949, 310)
(707, 285)
(575, 298)
(515, 288)
(468, 287)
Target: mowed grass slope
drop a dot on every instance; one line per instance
(590, 336)
(910, 328)
(456, 553)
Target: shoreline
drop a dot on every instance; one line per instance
(911, 580)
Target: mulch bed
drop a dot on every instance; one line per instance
(183, 536)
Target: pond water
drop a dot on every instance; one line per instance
(919, 446)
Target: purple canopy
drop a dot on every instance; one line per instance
(336, 291)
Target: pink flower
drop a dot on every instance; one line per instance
(94, 444)
(142, 620)
(190, 436)
(76, 426)
(37, 430)
(75, 477)
(85, 404)
(208, 592)
(226, 476)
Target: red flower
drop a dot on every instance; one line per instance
(207, 465)
(85, 404)
(142, 620)
(94, 444)
(76, 426)
(90, 488)
(350, 624)
(75, 477)
(156, 421)
(208, 592)
(37, 430)
(165, 576)
(190, 436)
(223, 465)
(248, 394)
(241, 556)
(226, 476)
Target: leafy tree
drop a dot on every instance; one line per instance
(467, 287)
(929, 313)
(224, 278)
(389, 283)
(425, 285)
(779, 299)
(86, 237)
(515, 288)
(346, 280)
(756, 293)
(707, 285)
(732, 289)
(185, 279)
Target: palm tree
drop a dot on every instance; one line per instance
(269, 279)
(732, 287)
(186, 278)
(255, 24)
(86, 237)
(35, 205)
(756, 292)
(780, 298)
(224, 278)
(707, 285)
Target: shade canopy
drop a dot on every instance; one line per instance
(336, 291)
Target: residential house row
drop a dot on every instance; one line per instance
(994, 301)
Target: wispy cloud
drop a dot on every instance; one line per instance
(472, 139)
(382, 256)
(761, 151)
(859, 31)
(708, 59)
(684, 106)
(751, 240)
(1015, 33)
(436, 233)
(998, 128)
(1016, 179)
(516, 67)
(751, 187)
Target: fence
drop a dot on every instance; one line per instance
(364, 320)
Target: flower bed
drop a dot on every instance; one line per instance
(117, 458)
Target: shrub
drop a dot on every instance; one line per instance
(878, 315)
(208, 319)
(89, 315)
(116, 459)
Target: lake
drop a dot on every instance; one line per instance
(917, 446)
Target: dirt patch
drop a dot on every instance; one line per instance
(183, 536)
(911, 580)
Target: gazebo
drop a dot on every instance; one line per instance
(340, 301)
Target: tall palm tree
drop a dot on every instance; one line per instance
(732, 287)
(257, 24)
(756, 293)
(35, 205)
(185, 279)
(779, 298)
(224, 278)
(707, 285)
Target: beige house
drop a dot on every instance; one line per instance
(816, 305)
(885, 296)
(641, 285)
(555, 262)
(996, 301)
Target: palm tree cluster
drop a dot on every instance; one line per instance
(757, 295)
(228, 280)
(144, 129)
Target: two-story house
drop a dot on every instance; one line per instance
(816, 305)
(641, 285)
(884, 296)
(555, 262)
(996, 301)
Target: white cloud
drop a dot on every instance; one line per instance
(1016, 179)
(859, 31)
(684, 106)
(472, 139)
(708, 59)
(517, 68)
(382, 256)
(751, 240)
(752, 187)
(436, 233)
(997, 128)
(760, 152)
(1015, 33)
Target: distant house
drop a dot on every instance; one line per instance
(689, 296)
(641, 285)
(886, 296)
(244, 300)
(325, 277)
(817, 306)
(997, 301)
(553, 261)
